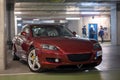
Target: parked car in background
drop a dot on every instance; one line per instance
(48, 46)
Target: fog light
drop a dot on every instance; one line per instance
(53, 60)
(57, 60)
(95, 58)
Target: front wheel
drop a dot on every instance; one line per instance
(33, 61)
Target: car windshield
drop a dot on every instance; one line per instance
(51, 31)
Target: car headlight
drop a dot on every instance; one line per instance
(99, 53)
(49, 47)
(96, 46)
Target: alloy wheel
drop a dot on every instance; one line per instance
(33, 61)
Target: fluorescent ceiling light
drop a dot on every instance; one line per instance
(72, 12)
(90, 13)
(48, 21)
(17, 12)
(63, 21)
(72, 18)
(36, 19)
(19, 18)
(27, 22)
(88, 4)
(19, 24)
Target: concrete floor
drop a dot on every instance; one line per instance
(109, 69)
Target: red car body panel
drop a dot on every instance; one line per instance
(67, 47)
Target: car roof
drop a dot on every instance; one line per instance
(44, 25)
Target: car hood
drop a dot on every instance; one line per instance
(68, 44)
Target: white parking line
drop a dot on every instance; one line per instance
(16, 74)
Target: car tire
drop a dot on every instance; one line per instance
(14, 56)
(94, 65)
(33, 61)
(91, 66)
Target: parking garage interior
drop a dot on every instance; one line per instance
(74, 14)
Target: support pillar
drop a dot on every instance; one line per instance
(115, 24)
(11, 24)
(118, 24)
(2, 35)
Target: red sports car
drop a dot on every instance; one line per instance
(54, 46)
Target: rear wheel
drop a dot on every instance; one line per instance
(33, 61)
(14, 56)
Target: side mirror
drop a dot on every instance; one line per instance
(23, 33)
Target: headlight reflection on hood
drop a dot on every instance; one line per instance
(49, 47)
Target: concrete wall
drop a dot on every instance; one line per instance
(76, 25)
(118, 27)
(103, 20)
(2, 34)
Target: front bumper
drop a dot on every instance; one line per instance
(51, 60)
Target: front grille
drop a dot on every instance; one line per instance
(79, 57)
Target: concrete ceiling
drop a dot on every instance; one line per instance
(65, 1)
(60, 9)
